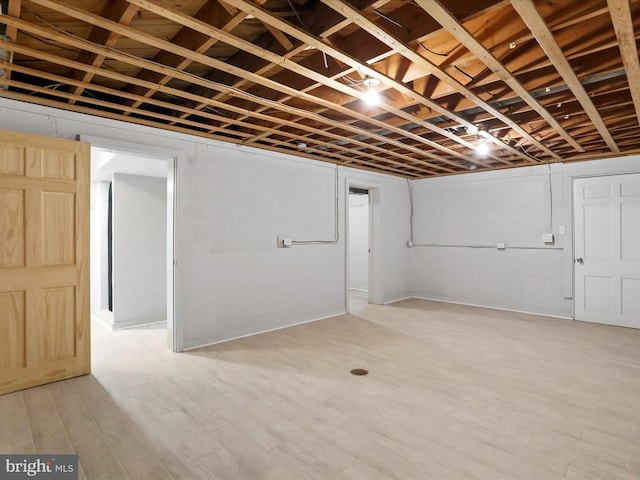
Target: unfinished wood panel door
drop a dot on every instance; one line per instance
(44, 260)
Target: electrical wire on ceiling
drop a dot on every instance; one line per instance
(463, 72)
(54, 86)
(527, 153)
(389, 19)
(27, 34)
(352, 82)
(472, 78)
(295, 11)
(432, 52)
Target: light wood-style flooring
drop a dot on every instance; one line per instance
(453, 392)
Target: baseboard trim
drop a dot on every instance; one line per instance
(128, 325)
(188, 347)
(491, 308)
(398, 300)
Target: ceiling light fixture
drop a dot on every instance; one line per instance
(483, 147)
(371, 96)
(371, 82)
(472, 130)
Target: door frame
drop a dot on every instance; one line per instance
(174, 325)
(375, 239)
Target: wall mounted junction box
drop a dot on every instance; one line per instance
(284, 242)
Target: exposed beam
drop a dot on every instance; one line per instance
(403, 49)
(12, 33)
(153, 115)
(285, 62)
(527, 11)
(281, 38)
(458, 30)
(90, 111)
(365, 69)
(620, 11)
(402, 160)
(212, 12)
(231, 69)
(119, 11)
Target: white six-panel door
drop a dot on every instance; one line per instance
(607, 249)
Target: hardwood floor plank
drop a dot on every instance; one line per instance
(47, 428)
(453, 392)
(15, 434)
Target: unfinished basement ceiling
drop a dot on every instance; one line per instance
(541, 81)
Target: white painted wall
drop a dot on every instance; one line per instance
(455, 214)
(359, 242)
(233, 201)
(139, 250)
(236, 203)
(231, 204)
(99, 245)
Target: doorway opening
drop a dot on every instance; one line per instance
(131, 240)
(359, 249)
(363, 250)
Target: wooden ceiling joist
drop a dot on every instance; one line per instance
(623, 26)
(284, 62)
(398, 46)
(363, 68)
(452, 25)
(545, 81)
(207, 84)
(530, 16)
(181, 94)
(217, 64)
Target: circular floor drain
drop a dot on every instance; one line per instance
(359, 371)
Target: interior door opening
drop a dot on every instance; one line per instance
(131, 251)
(359, 249)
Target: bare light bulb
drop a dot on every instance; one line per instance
(483, 148)
(371, 97)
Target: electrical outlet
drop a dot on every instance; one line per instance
(284, 242)
(501, 246)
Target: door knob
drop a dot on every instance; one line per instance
(579, 260)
